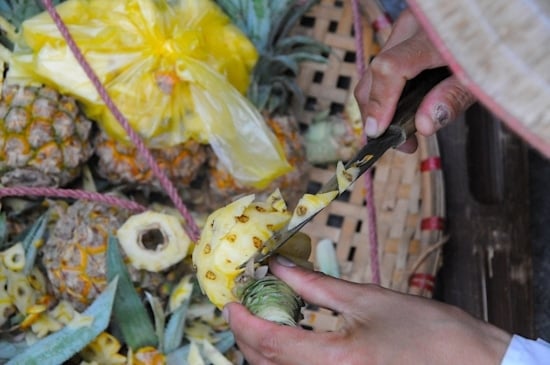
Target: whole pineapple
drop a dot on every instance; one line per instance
(272, 89)
(44, 136)
(74, 254)
(120, 163)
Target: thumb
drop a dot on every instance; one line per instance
(443, 104)
(317, 288)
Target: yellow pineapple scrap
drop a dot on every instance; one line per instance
(104, 349)
(309, 205)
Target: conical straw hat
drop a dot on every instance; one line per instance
(501, 51)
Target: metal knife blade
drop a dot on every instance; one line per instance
(401, 128)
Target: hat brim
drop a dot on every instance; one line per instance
(501, 51)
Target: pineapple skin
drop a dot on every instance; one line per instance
(44, 137)
(120, 163)
(74, 255)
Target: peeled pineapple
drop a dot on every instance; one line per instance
(232, 236)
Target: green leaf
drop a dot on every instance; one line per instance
(3, 230)
(159, 317)
(129, 312)
(173, 336)
(61, 346)
(32, 240)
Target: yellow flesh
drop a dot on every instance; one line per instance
(232, 235)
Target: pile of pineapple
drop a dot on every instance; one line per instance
(208, 86)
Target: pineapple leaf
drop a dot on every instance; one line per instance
(129, 312)
(174, 329)
(62, 345)
(158, 316)
(292, 16)
(32, 241)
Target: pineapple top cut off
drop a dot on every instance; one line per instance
(232, 236)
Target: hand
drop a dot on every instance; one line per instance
(380, 327)
(408, 52)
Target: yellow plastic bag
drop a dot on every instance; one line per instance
(175, 71)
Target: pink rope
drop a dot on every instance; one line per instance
(371, 210)
(73, 194)
(191, 228)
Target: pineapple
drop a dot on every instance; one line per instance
(272, 89)
(231, 238)
(74, 255)
(120, 163)
(44, 137)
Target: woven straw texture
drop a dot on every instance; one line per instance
(408, 188)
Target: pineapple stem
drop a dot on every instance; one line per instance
(273, 300)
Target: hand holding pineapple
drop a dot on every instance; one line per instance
(379, 327)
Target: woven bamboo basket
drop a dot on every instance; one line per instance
(408, 188)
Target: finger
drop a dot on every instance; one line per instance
(386, 76)
(409, 146)
(252, 356)
(317, 288)
(267, 342)
(404, 27)
(443, 104)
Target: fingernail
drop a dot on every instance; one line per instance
(284, 261)
(225, 314)
(441, 114)
(371, 127)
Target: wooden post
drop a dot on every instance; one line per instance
(487, 261)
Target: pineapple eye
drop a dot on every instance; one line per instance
(260, 209)
(257, 242)
(207, 249)
(301, 210)
(210, 275)
(231, 237)
(242, 218)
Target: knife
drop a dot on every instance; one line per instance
(401, 128)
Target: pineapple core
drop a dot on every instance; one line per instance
(231, 236)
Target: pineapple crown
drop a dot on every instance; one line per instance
(268, 24)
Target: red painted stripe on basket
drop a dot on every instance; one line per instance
(422, 281)
(382, 22)
(430, 164)
(432, 224)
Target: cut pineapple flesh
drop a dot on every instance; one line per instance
(233, 235)
(345, 177)
(309, 205)
(153, 241)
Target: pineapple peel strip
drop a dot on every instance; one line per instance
(169, 77)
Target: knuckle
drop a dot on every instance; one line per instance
(384, 65)
(269, 347)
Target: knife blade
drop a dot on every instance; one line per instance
(400, 129)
